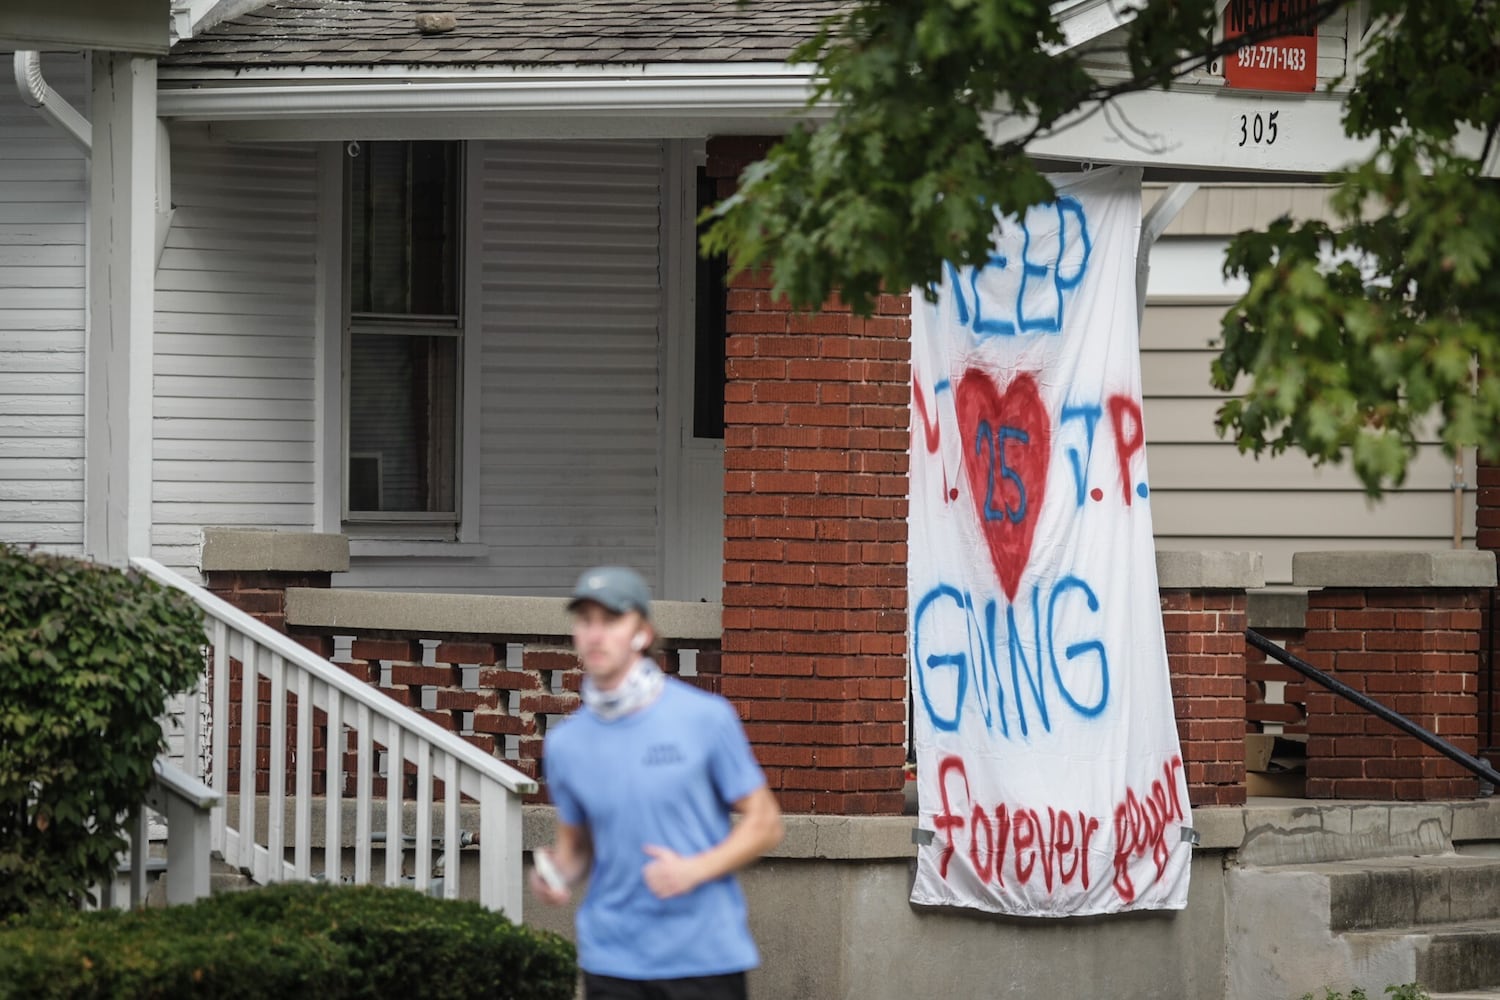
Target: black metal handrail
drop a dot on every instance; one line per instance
(1401, 722)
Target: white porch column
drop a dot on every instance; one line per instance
(122, 301)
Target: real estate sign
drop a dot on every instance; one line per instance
(1284, 56)
(1048, 767)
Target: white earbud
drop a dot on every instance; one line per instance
(639, 642)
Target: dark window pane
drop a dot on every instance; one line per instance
(403, 228)
(710, 329)
(403, 394)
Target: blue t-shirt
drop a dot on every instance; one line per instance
(664, 775)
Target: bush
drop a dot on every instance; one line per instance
(292, 939)
(89, 656)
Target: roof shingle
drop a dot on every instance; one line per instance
(296, 33)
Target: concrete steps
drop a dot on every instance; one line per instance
(1373, 922)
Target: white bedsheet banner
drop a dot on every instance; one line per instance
(1048, 765)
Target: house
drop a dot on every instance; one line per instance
(428, 284)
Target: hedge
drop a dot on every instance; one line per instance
(292, 939)
(89, 656)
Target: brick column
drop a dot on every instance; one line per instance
(1402, 628)
(815, 452)
(1203, 603)
(253, 570)
(1487, 538)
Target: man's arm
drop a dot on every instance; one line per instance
(572, 851)
(759, 829)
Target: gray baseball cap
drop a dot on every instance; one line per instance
(617, 588)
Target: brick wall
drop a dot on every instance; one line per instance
(815, 450)
(1487, 536)
(1205, 637)
(1413, 650)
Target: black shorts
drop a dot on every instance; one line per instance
(727, 987)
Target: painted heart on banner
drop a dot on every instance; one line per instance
(1007, 440)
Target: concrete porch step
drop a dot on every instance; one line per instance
(1489, 994)
(1376, 893)
(1442, 957)
(1432, 919)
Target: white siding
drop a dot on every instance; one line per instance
(1206, 495)
(43, 263)
(569, 429)
(235, 328)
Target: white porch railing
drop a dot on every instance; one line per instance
(186, 803)
(372, 717)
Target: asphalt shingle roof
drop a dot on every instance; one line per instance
(294, 33)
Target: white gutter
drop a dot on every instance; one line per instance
(48, 102)
(1157, 219)
(647, 90)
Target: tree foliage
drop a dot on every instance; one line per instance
(1354, 335)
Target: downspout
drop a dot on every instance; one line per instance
(164, 207)
(48, 102)
(1157, 219)
(52, 106)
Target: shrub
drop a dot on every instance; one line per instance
(88, 657)
(292, 939)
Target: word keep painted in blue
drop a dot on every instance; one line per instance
(1044, 274)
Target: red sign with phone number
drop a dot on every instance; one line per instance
(1285, 62)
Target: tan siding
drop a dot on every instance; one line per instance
(43, 261)
(1226, 209)
(1205, 494)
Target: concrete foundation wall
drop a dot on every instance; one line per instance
(845, 931)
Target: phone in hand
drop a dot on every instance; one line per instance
(548, 870)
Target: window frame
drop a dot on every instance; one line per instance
(426, 526)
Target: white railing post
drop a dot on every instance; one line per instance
(218, 765)
(395, 768)
(366, 742)
(249, 682)
(276, 781)
(187, 804)
(140, 850)
(333, 790)
(451, 845)
(302, 823)
(422, 870)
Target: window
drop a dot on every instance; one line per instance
(402, 346)
(709, 326)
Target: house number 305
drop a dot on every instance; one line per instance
(1258, 129)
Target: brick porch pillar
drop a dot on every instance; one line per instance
(1403, 628)
(1487, 538)
(815, 453)
(1203, 600)
(253, 569)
